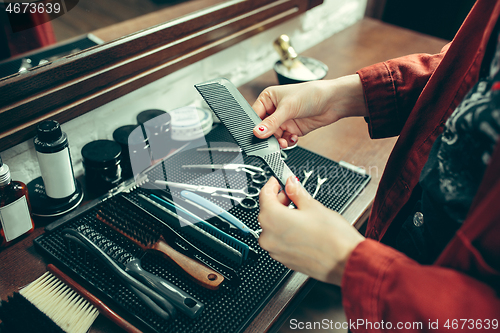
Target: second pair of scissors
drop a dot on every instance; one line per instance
(246, 200)
(257, 174)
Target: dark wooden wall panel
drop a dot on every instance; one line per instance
(84, 81)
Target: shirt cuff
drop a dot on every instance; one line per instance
(380, 98)
(363, 277)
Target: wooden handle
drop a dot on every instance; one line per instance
(103, 308)
(200, 273)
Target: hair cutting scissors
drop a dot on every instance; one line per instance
(247, 201)
(284, 155)
(257, 174)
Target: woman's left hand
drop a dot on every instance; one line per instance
(311, 239)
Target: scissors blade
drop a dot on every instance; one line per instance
(222, 149)
(195, 188)
(203, 166)
(177, 185)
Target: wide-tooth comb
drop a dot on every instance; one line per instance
(147, 239)
(239, 118)
(108, 252)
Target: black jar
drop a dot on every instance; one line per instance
(121, 136)
(102, 164)
(146, 115)
(156, 124)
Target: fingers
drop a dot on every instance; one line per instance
(264, 104)
(271, 124)
(267, 108)
(297, 193)
(268, 196)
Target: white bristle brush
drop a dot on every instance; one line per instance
(68, 305)
(66, 308)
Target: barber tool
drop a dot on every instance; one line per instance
(219, 211)
(318, 185)
(240, 119)
(142, 235)
(307, 174)
(289, 58)
(168, 217)
(246, 202)
(60, 298)
(257, 174)
(177, 241)
(150, 298)
(243, 248)
(250, 191)
(157, 290)
(97, 303)
(293, 68)
(49, 305)
(199, 210)
(284, 155)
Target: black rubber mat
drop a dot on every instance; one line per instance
(232, 307)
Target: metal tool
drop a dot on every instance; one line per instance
(250, 191)
(318, 185)
(239, 118)
(219, 211)
(284, 155)
(221, 149)
(307, 174)
(247, 201)
(257, 174)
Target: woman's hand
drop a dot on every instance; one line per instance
(311, 239)
(294, 110)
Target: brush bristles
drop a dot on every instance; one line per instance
(71, 312)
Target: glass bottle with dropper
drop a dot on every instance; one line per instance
(15, 217)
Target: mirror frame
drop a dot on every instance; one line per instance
(81, 82)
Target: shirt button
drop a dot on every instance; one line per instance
(418, 219)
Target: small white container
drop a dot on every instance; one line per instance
(190, 123)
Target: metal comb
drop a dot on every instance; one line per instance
(239, 118)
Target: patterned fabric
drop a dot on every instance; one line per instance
(455, 168)
(462, 152)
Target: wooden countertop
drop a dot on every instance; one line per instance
(367, 42)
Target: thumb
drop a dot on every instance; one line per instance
(297, 193)
(271, 124)
(268, 103)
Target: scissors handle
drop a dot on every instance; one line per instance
(250, 191)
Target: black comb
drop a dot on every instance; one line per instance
(239, 118)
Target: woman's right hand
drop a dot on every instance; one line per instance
(294, 110)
